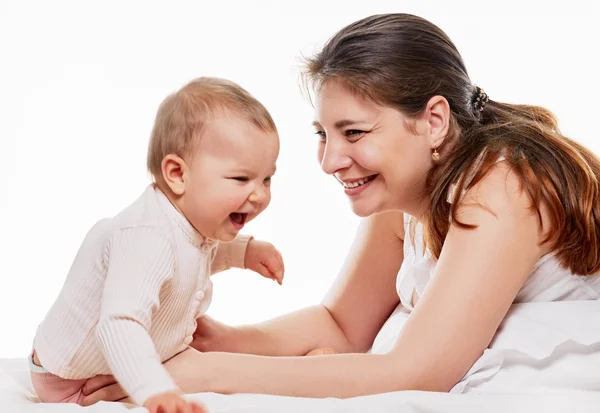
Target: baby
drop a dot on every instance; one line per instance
(141, 278)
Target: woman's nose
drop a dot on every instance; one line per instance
(334, 157)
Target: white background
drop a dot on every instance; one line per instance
(80, 83)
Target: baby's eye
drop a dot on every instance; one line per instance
(241, 178)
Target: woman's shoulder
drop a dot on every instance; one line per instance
(500, 188)
(501, 201)
(475, 174)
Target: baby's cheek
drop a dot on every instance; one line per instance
(267, 200)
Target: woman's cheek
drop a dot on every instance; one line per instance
(320, 153)
(370, 157)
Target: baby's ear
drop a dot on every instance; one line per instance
(173, 170)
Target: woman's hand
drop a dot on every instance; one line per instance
(212, 335)
(189, 380)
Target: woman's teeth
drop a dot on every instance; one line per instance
(358, 183)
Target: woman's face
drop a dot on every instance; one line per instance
(381, 164)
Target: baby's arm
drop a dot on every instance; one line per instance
(140, 260)
(230, 254)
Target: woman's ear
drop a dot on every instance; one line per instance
(437, 116)
(173, 170)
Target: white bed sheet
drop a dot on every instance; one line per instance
(16, 395)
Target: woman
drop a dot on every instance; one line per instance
(479, 205)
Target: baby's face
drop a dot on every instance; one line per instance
(228, 182)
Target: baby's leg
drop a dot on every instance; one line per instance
(53, 389)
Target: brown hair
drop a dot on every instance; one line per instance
(401, 61)
(182, 115)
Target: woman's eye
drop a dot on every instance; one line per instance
(241, 178)
(354, 134)
(322, 135)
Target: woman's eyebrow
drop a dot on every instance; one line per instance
(340, 123)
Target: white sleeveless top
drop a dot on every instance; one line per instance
(548, 281)
(552, 308)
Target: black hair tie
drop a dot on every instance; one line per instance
(479, 99)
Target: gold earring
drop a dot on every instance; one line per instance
(435, 155)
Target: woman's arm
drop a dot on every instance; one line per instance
(476, 279)
(359, 302)
(292, 334)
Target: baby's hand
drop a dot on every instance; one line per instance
(172, 403)
(263, 258)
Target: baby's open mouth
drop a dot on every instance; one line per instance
(238, 218)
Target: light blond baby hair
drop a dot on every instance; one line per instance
(181, 117)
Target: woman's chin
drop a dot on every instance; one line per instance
(362, 208)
